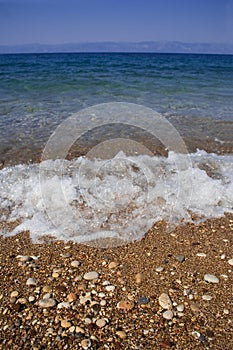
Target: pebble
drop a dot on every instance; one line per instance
(23, 258)
(75, 263)
(206, 297)
(203, 255)
(159, 269)
(139, 278)
(110, 288)
(47, 289)
(14, 294)
(65, 324)
(180, 258)
(47, 303)
(121, 334)
(168, 315)
(79, 330)
(55, 274)
(103, 302)
(89, 276)
(71, 297)
(125, 305)
(230, 261)
(64, 305)
(22, 301)
(112, 265)
(31, 299)
(165, 301)
(86, 344)
(143, 300)
(31, 282)
(211, 278)
(101, 322)
(180, 307)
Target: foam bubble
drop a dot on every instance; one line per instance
(119, 198)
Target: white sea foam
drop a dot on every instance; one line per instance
(85, 199)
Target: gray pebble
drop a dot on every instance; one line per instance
(180, 258)
(168, 315)
(211, 278)
(93, 275)
(47, 303)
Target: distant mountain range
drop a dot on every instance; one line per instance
(144, 46)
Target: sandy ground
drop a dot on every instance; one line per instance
(120, 309)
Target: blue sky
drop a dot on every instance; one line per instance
(72, 21)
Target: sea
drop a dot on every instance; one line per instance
(142, 97)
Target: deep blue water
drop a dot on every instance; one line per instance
(38, 91)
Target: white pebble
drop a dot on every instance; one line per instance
(168, 315)
(165, 301)
(206, 297)
(230, 261)
(211, 278)
(92, 275)
(31, 282)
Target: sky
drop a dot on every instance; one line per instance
(75, 21)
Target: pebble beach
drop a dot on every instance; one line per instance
(167, 291)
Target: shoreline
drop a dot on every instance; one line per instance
(138, 274)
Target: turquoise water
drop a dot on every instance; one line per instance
(38, 91)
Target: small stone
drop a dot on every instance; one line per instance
(139, 278)
(23, 258)
(86, 344)
(22, 301)
(31, 282)
(125, 305)
(168, 315)
(87, 320)
(47, 303)
(211, 278)
(226, 311)
(31, 299)
(79, 330)
(121, 334)
(202, 255)
(159, 269)
(230, 261)
(75, 263)
(89, 276)
(103, 302)
(110, 288)
(101, 323)
(143, 300)
(180, 307)
(112, 265)
(64, 305)
(46, 296)
(14, 294)
(72, 329)
(71, 297)
(180, 258)
(47, 289)
(65, 324)
(55, 274)
(165, 301)
(206, 297)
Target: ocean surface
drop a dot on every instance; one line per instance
(86, 199)
(39, 91)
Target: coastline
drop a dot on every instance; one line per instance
(139, 272)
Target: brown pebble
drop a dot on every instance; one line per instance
(65, 324)
(139, 278)
(121, 334)
(125, 305)
(71, 297)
